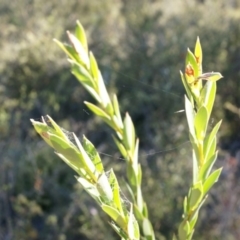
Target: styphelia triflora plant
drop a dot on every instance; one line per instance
(132, 222)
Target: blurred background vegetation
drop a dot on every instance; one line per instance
(140, 46)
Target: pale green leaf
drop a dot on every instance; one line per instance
(190, 58)
(120, 147)
(82, 74)
(147, 229)
(190, 116)
(90, 188)
(81, 36)
(196, 194)
(208, 140)
(93, 154)
(198, 55)
(115, 215)
(82, 53)
(207, 167)
(116, 192)
(104, 188)
(129, 133)
(210, 76)
(208, 94)
(186, 85)
(200, 123)
(69, 50)
(183, 230)
(94, 67)
(211, 180)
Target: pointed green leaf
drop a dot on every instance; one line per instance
(93, 66)
(90, 188)
(129, 133)
(120, 147)
(116, 191)
(183, 230)
(190, 116)
(210, 138)
(198, 55)
(196, 194)
(200, 123)
(42, 129)
(185, 210)
(77, 45)
(104, 188)
(208, 94)
(211, 180)
(71, 53)
(115, 215)
(212, 149)
(211, 76)
(138, 213)
(147, 229)
(133, 230)
(93, 154)
(81, 36)
(82, 74)
(207, 167)
(193, 222)
(117, 111)
(105, 100)
(145, 209)
(195, 167)
(80, 170)
(98, 111)
(186, 85)
(190, 58)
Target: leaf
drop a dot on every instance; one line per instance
(115, 215)
(212, 149)
(186, 85)
(195, 167)
(183, 230)
(82, 53)
(207, 167)
(208, 94)
(193, 221)
(210, 76)
(120, 147)
(133, 229)
(82, 74)
(210, 138)
(81, 36)
(69, 50)
(92, 152)
(200, 123)
(94, 67)
(211, 180)
(104, 188)
(43, 130)
(196, 194)
(105, 100)
(90, 188)
(129, 133)
(198, 55)
(68, 150)
(116, 192)
(190, 58)
(190, 116)
(117, 111)
(147, 229)
(98, 111)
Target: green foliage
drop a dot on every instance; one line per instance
(105, 190)
(139, 46)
